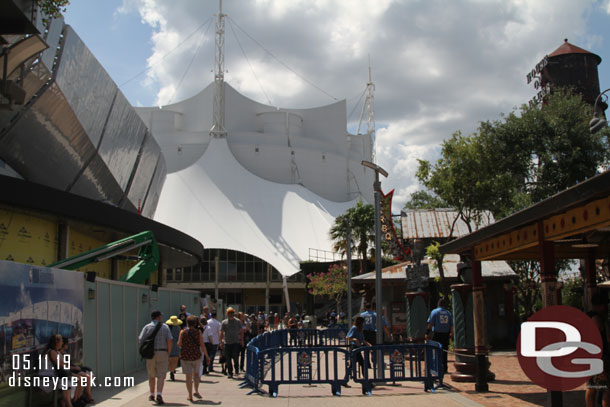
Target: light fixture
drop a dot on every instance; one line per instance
(567, 240)
(585, 244)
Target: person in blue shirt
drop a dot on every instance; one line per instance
(441, 324)
(355, 337)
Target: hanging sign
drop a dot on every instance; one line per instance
(535, 75)
(388, 232)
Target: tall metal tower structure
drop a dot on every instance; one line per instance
(368, 109)
(218, 127)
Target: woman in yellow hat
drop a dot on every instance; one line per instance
(174, 326)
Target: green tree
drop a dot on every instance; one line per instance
(52, 8)
(514, 162)
(332, 284)
(361, 219)
(423, 199)
(434, 252)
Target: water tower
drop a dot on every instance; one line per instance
(574, 67)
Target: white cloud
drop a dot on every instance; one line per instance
(438, 66)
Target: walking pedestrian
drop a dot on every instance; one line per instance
(191, 351)
(212, 335)
(157, 366)
(174, 325)
(441, 323)
(231, 338)
(245, 327)
(183, 315)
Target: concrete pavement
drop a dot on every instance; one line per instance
(217, 390)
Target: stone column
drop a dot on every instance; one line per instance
(417, 311)
(463, 333)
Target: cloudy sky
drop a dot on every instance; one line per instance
(438, 66)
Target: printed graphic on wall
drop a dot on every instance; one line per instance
(35, 303)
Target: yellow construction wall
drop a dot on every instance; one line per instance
(79, 243)
(27, 239)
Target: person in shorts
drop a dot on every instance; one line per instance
(192, 349)
(158, 366)
(174, 326)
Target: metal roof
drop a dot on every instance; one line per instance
(436, 223)
(567, 48)
(497, 269)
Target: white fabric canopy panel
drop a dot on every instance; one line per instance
(223, 205)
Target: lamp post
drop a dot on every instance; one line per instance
(378, 282)
(349, 274)
(598, 122)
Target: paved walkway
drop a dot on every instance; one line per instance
(218, 390)
(511, 388)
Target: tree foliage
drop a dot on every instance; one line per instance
(516, 161)
(332, 283)
(423, 199)
(52, 8)
(361, 219)
(519, 160)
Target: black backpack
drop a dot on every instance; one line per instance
(147, 348)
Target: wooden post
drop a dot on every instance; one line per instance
(480, 340)
(548, 277)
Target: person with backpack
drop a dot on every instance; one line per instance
(155, 345)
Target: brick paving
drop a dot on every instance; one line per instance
(512, 387)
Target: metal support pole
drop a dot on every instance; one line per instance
(378, 281)
(349, 275)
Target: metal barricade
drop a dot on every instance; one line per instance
(307, 356)
(304, 365)
(401, 362)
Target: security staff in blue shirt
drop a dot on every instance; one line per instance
(441, 323)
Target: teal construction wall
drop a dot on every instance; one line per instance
(113, 319)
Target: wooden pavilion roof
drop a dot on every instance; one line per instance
(576, 220)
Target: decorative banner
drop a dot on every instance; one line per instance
(388, 232)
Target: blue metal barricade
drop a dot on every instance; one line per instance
(401, 362)
(305, 365)
(310, 356)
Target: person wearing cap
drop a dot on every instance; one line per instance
(175, 325)
(157, 366)
(231, 338)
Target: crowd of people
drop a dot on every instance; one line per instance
(193, 342)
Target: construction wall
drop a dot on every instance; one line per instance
(114, 314)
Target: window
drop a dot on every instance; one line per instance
(275, 275)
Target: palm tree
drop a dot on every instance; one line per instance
(361, 219)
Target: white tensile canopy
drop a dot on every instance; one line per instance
(223, 205)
